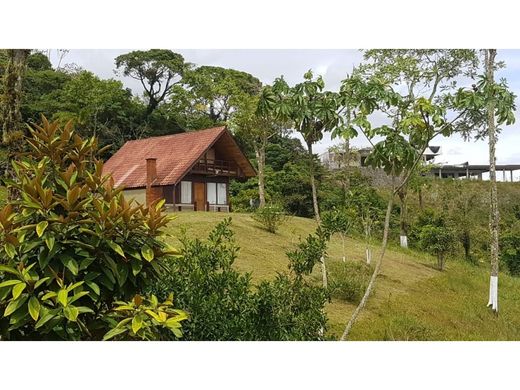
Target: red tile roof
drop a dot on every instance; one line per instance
(175, 155)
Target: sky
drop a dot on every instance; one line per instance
(333, 65)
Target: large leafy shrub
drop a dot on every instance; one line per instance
(349, 279)
(223, 304)
(71, 244)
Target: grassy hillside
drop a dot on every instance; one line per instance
(412, 301)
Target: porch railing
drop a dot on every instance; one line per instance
(217, 167)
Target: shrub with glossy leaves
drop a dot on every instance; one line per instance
(71, 244)
(223, 303)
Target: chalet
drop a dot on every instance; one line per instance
(191, 171)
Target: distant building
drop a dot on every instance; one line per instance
(337, 159)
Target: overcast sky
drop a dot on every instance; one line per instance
(333, 65)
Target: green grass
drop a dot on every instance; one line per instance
(412, 300)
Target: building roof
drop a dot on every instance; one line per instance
(176, 154)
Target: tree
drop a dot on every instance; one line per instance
(256, 127)
(157, 70)
(486, 105)
(310, 110)
(413, 121)
(339, 221)
(215, 92)
(99, 108)
(423, 73)
(437, 238)
(11, 117)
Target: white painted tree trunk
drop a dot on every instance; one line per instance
(494, 217)
(493, 293)
(368, 255)
(343, 243)
(404, 241)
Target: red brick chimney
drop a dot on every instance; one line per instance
(152, 193)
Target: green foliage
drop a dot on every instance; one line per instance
(510, 249)
(436, 237)
(271, 216)
(348, 280)
(144, 319)
(338, 221)
(71, 244)
(158, 71)
(224, 305)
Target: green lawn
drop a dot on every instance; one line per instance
(412, 301)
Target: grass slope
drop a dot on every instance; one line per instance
(412, 300)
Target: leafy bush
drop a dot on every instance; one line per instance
(349, 280)
(510, 249)
(71, 244)
(438, 240)
(271, 216)
(223, 304)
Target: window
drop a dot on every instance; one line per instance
(185, 191)
(216, 193)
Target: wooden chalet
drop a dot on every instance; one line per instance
(191, 171)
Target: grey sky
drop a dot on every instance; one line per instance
(333, 65)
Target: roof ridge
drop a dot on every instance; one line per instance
(176, 134)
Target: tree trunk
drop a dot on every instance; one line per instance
(403, 217)
(313, 184)
(324, 272)
(260, 158)
(377, 268)
(343, 245)
(11, 117)
(367, 240)
(494, 214)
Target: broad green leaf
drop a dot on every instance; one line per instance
(40, 282)
(94, 287)
(10, 250)
(153, 315)
(40, 228)
(137, 323)
(49, 241)
(34, 308)
(114, 332)
(63, 297)
(71, 313)
(84, 309)
(147, 253)
(10, 270)
(71, 264)
(14, 305)
(116, 247)
(77, 296)
(18, 289)
(44, 319)
(50, 294)
(11, 282)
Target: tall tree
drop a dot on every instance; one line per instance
(419, 73)
(413, 121)
(157, 70)
(311, 111)
(487, 105)
(11, 117)
(255, 125)
(12, 92)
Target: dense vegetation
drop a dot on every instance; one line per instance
(80, 262)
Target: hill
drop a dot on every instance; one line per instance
(412, 300)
